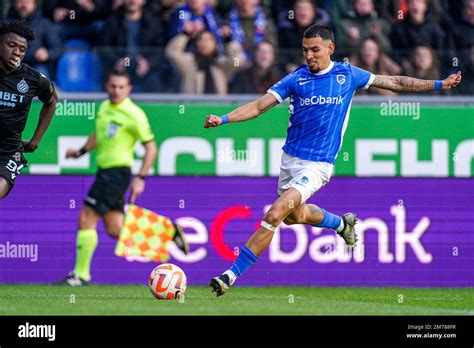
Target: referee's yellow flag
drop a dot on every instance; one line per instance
(145, 236)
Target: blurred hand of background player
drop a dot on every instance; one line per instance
(41, 54)
(143, 66)
(137, 188)
(452, 80)
(29, 146)
(87, 5)
(71, 153)
(60, 13)
(212, 121)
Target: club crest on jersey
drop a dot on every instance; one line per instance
(22, 86)
(340, 79)
(112, 130)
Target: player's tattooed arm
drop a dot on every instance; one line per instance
(411, 84)
(245, 112)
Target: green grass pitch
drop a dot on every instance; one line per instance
(137, 300)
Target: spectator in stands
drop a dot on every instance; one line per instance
(371, 57)
(339, 10)
(416, 29)
(164, 11)
(423, 64)
(222, 7)
(77, 18)
(292, 24)
(132, 38)
(249, 25)
(195, 17)
(204, 71)
(360, 22)
(44, 50)
(464, 31)
(396, 10)
(463, 40)
(261, 75)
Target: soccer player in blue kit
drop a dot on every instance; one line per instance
(320, 95)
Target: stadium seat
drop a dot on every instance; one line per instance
(78, 68)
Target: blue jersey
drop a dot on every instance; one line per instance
(319, 108)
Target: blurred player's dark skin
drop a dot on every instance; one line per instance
(12, 51)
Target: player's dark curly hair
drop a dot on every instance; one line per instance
(17, 27)
(321, 31)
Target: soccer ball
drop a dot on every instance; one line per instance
(167, 282)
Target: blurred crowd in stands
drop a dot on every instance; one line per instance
(240, 46)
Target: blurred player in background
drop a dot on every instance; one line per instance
(19, 84)
(320, 93)
(120, 123)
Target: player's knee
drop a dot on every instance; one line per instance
(4, 188)
(273, 218)
(113, 230)
(87, 218)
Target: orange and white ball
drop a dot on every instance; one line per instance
(167, 282)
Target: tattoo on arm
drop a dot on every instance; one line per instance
(402, 83)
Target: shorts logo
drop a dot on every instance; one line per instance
(303, 181)
(14, 168)
(22, 86)
(91, 200)
(340, 79)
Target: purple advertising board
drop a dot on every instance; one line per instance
(414, 232)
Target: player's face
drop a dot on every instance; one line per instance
(118, 88)
(317, 53)
(12, 50)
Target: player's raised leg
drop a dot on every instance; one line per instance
(259, 241)
(4, 188)
(313, 215)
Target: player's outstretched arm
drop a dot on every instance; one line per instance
(45, 117)
(245, 112)
(410, 84)
(90, 145)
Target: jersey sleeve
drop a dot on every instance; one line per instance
(143, 130)
(283, 88)
(362, 78)
(45, 88)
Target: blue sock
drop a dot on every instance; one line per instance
(330, 221)
(246, 259)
